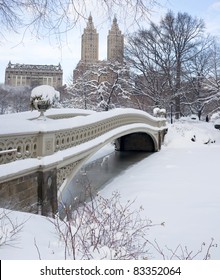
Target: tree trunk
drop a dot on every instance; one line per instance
(178, 86)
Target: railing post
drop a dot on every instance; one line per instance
(46, 144)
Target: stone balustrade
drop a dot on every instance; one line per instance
(43, 143)
(14, 147)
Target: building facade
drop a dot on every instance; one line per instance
(33, 75)
(115, 44)
(90, 49)
(90, 43)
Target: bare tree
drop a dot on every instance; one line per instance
(212, 81)
(160, 53)
(55, 17)
(184, 33)
(197, 71)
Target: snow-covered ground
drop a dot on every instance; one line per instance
(178, 186)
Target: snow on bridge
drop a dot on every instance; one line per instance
(47, 154)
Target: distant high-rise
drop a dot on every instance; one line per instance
(90, 43)
(90, 48)
(115, 49)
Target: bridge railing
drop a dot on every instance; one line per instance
(72, 137)
(45, 143)
(14, 147)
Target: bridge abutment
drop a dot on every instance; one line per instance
(20, 193)
(47, 192)
(35, 193)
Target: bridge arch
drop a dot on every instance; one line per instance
(147, 138)
(136, 141)
(54, 151)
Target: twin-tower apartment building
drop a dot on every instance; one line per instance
(34, 75)
(90, 43)
(90, 49)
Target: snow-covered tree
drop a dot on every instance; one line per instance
(3, 100)
(211, 83)
(101, 86)
(14, 99)
(201, 92)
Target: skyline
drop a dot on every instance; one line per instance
(30, 50)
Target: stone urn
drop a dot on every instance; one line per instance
(42, 98)
(41, 105)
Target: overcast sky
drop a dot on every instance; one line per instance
(30, 50)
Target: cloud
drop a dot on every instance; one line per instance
(215, 6)
(212, 19)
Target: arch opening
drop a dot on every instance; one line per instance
(138, 141)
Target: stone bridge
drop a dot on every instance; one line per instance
(39, 158)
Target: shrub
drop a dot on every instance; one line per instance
(104, 228)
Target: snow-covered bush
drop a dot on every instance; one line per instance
(163, 113)
(215, 116)
(45, 96)
(104, 229)
(157, 112)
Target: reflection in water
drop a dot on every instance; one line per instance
(97, 174)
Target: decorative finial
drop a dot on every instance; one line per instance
(90, 24)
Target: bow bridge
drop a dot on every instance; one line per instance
(38, 158)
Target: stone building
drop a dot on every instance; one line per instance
(115, 49)
(90, 49)
(33, 75)
(90, 43)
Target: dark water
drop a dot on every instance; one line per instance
(96, 174)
